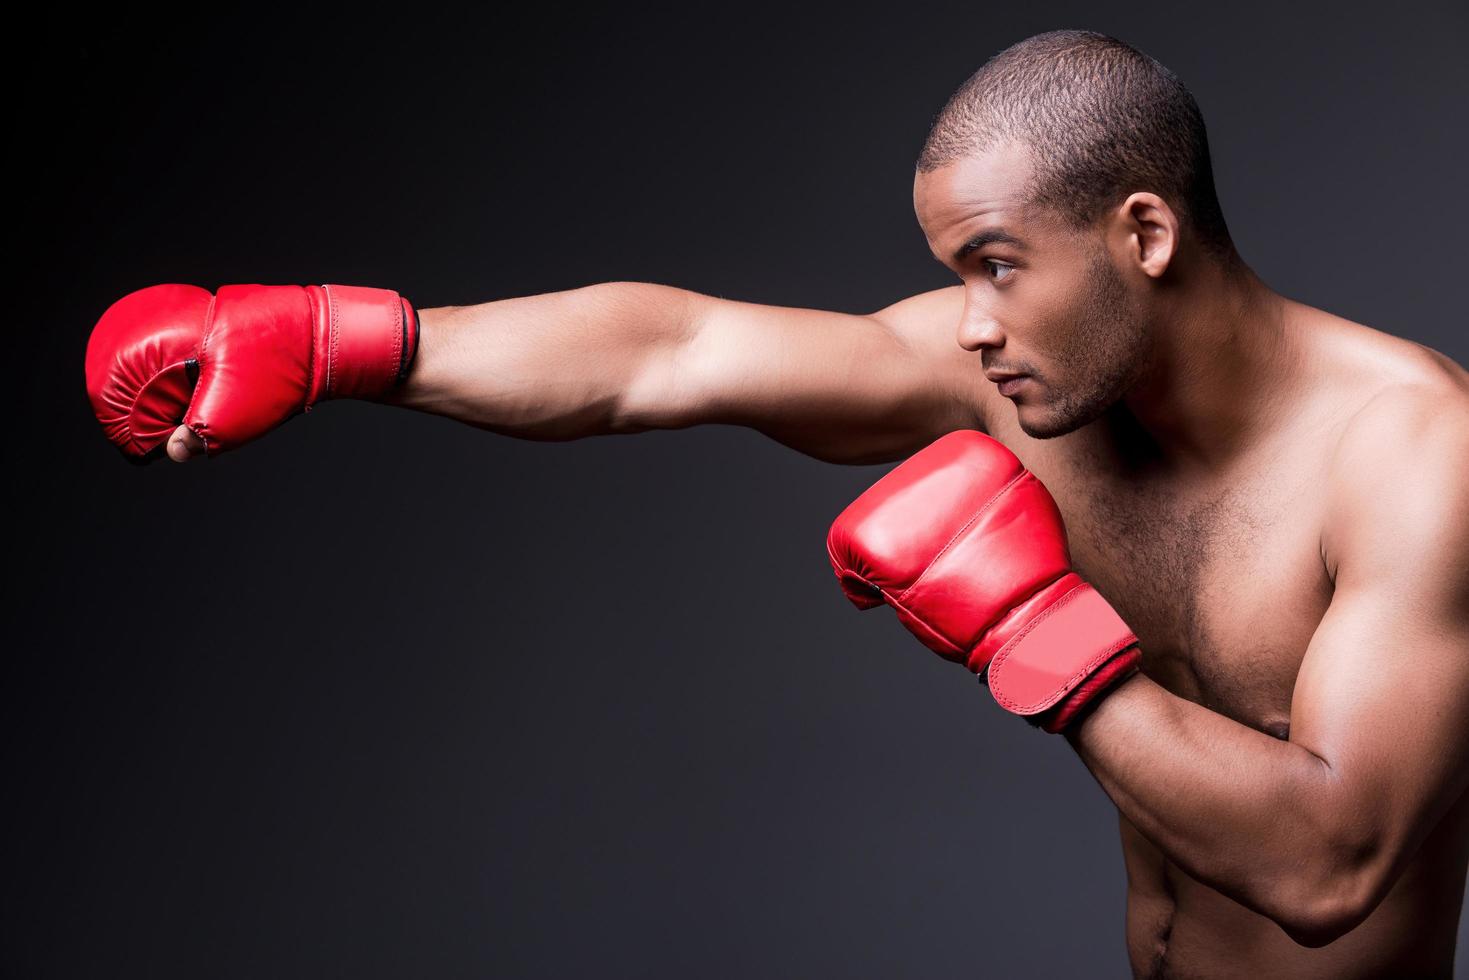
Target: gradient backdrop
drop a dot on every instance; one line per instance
(385, 696)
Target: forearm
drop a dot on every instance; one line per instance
(1251, 816)
(551, 366)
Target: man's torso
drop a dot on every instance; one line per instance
(1223, 579)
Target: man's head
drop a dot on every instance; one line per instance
(1062, 181)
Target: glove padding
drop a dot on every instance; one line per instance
(970, 550)
(233, 366)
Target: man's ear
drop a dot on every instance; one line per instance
(1150, 231)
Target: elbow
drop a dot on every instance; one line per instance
(1330, 874)
(1320, 927)
(1321, 912)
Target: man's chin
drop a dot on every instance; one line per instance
(1039, 423)
(1042, 431)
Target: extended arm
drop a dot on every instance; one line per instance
(1313, 832)
(624, 357)
(629, 356)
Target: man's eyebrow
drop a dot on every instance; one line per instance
(990, 236)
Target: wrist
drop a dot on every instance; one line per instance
(1101, 712)
(429, 378)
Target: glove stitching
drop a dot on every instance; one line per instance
(960, 533)
(331, 357)
(401, 326)
(897, 604)
(839, 566)
(1044, 586)
(1074, 711)
(1013, 644)
(204, 365)
(310, 354)
(1107, 653)
(1065, 687)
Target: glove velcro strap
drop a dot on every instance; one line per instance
(1111, 674)
(364, 340)
(1057, 651)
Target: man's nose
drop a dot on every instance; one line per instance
(978, 329)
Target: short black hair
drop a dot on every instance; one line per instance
(1101, 120)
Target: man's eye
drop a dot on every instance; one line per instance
(997, 271)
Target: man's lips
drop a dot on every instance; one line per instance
(1007, 381)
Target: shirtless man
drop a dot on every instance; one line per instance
(1274, 500)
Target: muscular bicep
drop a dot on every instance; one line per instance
(1382, 697)
(836, 386)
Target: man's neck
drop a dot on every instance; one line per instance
(1222, 366)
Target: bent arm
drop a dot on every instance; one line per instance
(1314, 832)
(1242, 812)
(624, 357)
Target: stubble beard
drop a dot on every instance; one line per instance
(1105, 355)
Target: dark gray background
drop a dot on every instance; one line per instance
(383, 695)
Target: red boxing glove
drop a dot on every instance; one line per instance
(260, 355)
(969, 548)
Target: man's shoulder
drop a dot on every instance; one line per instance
(1406, 414)
(1402, 458)
(928, 324)
(910, 312)
(1362, 361)
(1379, 386)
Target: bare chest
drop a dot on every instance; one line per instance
(1224, 584)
